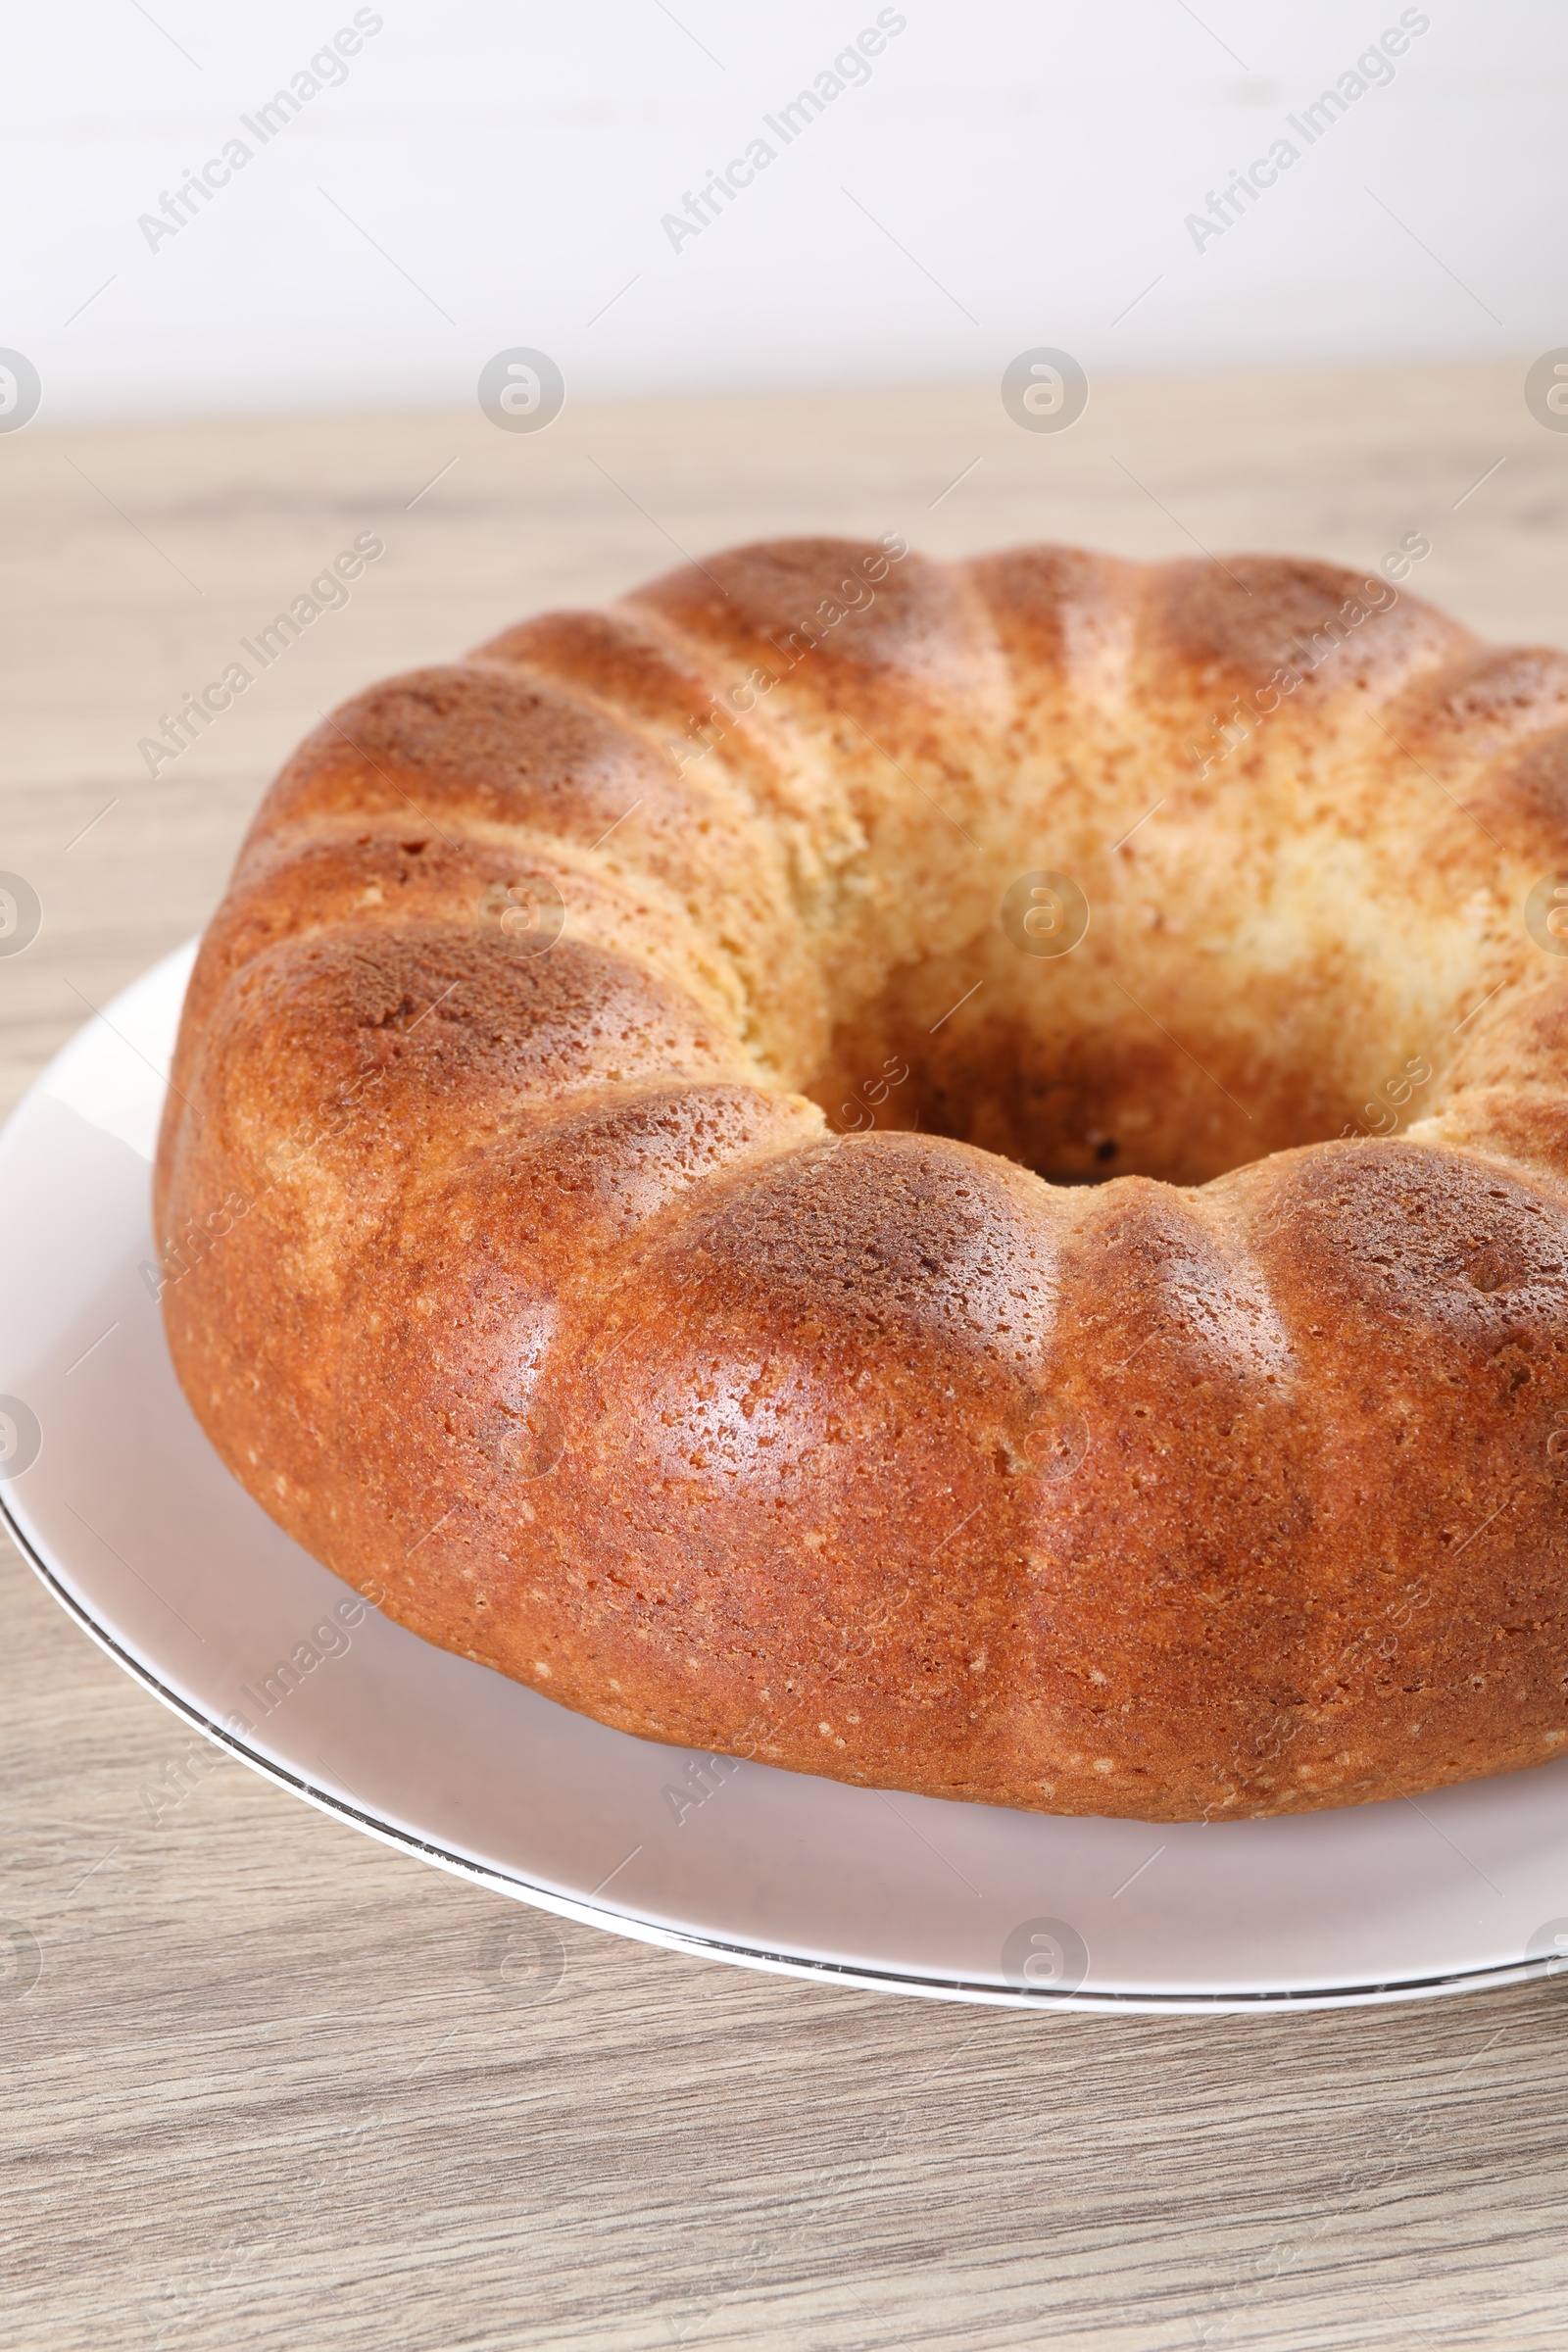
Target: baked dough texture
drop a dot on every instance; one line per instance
(661, 1190)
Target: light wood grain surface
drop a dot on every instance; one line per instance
(275, 2086)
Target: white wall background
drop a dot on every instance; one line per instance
(1015, 173)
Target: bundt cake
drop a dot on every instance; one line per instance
(948, 1175)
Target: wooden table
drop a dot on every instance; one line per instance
(271, 2087)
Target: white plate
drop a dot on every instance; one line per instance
(133, 1522)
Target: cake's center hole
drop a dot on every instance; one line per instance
(1175, 1068)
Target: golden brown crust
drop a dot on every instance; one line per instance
(510, 1267)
